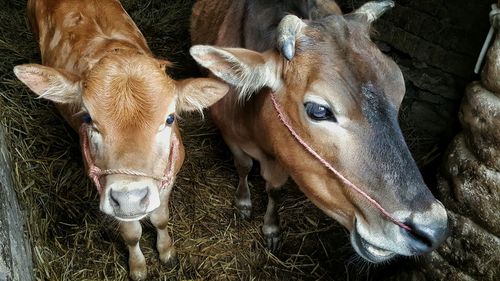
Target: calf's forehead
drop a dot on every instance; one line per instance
(128, 92)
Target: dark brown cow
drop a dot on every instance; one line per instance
(316, 100)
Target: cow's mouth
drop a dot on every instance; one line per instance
(369, 251)
(130, 218)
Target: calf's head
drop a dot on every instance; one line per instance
(342, 96)
(127, 107)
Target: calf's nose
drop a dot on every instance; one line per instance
(428, 229)
(131, 202)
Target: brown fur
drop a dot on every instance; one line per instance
(335, 61)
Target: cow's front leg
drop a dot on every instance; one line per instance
(243, 164)
(131, 233)
(164, 243)
(275, 177)
(271, 228)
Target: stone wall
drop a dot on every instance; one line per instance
(436, 44)
(469, 182)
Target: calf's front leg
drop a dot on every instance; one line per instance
(131, 233)
(164, 243)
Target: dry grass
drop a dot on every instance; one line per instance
(72, 240)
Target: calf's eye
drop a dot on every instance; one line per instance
(319, 112)
(170, 119)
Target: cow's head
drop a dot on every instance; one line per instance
(128, 106)
(342, 96)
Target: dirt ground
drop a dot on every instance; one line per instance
(72, 240)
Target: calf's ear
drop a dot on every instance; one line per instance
(199, 93)
(50, 83)
(247, 70)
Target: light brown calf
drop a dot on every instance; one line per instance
(107, 84)
(316, 100)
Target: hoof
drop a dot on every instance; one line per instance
(138, 270)
(138, 275)
(273, 241)
(244, 210)
(169, 258)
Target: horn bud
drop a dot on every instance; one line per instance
(289, 29)
(374, 9)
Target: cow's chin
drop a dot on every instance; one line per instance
(130, 218)
(367, 250)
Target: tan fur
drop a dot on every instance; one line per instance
(125, 89)
(96, 62)
(128, 94)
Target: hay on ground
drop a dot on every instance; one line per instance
(72, 240)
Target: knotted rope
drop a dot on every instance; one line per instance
(95, 173)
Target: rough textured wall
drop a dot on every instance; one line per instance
(15, 251)
(469, 182)
(436, 44)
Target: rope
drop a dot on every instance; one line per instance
(494, 21)
(95, 173)
(325, 163)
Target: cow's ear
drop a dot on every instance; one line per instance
(199, 93)
(50, 83)
(247, 70)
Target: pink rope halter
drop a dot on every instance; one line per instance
(284, 119)
(95, 173)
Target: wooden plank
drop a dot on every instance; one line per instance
(15, 250)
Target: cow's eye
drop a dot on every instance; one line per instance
(170, 119)
(319, 112)
(86, 118)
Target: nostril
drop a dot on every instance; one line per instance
(421, 236)
(114, 198)
(131, 201)
(144, 195)
(425, 238)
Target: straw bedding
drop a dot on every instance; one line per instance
(72, 240)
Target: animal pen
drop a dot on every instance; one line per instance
(66, 237)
